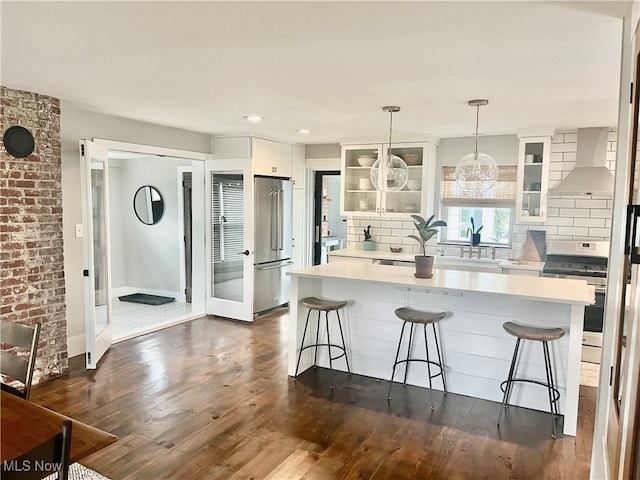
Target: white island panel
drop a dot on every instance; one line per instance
(477, 352)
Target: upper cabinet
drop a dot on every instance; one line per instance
(298, 166)
(269, 158)
(360, 198)
(533, 179)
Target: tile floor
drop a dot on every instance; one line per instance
(133, 319)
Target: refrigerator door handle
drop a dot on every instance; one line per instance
(274, 218)
(273, 267)
(280, 220)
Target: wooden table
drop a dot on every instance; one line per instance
(24, 425)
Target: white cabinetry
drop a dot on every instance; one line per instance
(359, 197)
(298, 167)
(268, 157)
(533, 179)
(271, 158)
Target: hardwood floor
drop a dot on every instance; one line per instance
(210, 399)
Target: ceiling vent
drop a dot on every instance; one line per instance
(590, 175)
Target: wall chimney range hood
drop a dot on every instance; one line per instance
(590, 175)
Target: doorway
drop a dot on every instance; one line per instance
(150, 257)
(330, 227)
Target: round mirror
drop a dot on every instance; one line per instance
(148, 205)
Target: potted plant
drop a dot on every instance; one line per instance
(475, 234)
(426, 230)
(368, 243)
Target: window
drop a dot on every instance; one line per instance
(493, 208)
(227, 217)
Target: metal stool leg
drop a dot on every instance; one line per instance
(315, 353)
(409, 349)
(304, 334)
(326, 322)
(344, 345)
(507, 389)
(553, 408)
(395, 362)
(435, 336)
(426, 347)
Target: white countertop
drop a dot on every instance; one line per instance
(557, 290)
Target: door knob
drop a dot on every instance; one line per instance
(246, 252)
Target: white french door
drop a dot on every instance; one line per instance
(229, 239)
(94, 173)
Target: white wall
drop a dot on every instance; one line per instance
(76, 124)
(151, 252)
(503, 148)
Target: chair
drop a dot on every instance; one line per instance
(18, 362)
(413, 317)
(538, 334)
(321, 305)
(49, 457)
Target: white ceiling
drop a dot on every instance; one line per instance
(322, 65)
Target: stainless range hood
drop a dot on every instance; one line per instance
(590, 175)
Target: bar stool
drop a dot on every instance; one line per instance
(412, 317)
(538, 334)
(321, 305)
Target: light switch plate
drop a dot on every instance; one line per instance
(78, 230)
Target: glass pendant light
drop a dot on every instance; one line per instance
(476, 172)
(389, 173)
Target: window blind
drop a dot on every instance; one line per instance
(501, 195)
(227, 219)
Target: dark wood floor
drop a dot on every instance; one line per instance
(211, 399)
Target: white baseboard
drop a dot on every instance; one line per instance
(76, 345)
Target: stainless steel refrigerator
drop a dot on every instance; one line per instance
(273, 242)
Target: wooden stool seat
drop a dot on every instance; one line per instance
(527, 332)
(412, 315)
(314, 303)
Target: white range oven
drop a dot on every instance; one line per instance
(583, 260)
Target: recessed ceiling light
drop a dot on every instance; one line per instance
(303, 131)
(253, 118)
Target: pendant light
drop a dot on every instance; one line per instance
(389, 173)
(476, 172)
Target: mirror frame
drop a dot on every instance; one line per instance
(156, 214)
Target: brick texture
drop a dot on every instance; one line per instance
(31, 258)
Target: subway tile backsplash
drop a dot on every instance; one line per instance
(568, 217)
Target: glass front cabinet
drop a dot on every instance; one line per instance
(533, 179)
(360, 198)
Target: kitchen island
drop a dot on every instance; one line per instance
(477, 352)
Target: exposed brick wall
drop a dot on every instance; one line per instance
(31, 257)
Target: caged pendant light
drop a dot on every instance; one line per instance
(389, 173)
(476, 172)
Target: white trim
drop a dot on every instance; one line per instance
(152, 149)
(323, 163)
